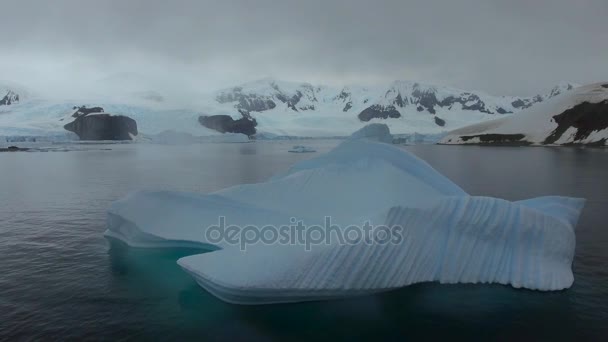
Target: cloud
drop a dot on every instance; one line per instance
(503, 47)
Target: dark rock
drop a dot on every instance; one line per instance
(585, 117)
(9, 99)
(295, 99)
(308, 107)
(469, 102)
(399, 101)
(344, 95)
(605, 85)
(439, 122)
(13, 149)
(83, 110)
(379, 112)
(425, 98)
(519, 103)
(498, 139)
(226, 124)
(103, 127)
(501, 110)
(347, 106)
(526, 103)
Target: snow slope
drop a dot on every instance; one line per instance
(280, 108)
(576, 117)
(445, 234)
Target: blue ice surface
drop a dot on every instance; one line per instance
(446, 235)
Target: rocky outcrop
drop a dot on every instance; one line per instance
(226, 124)
(496, 139)
(9, 99)
(439, 122)
(379, 112)
(425, 98)
(104, 126)
(347, 106)
(585, 118)
(526, 102)
(83, 110)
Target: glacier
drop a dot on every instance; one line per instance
(448, 236)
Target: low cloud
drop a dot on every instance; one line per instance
(515, 47)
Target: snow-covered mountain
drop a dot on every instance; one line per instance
(267, 94)
(10, 98)
(280, 108)
(12, 93)
(576, 117)
(287, 108)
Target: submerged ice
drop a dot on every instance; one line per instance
(447, 235)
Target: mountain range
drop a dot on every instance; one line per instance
(279, 108)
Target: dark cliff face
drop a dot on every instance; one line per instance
(379, 112)
(226, 124)
(103, 127)
(585, 117)
(439, 121)
(9, 99)
(425, 98)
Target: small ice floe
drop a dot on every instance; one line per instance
(302, 149)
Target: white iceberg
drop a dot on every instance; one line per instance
(447, 235)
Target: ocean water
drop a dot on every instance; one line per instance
(60, 279)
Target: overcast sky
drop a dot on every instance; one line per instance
(505, 47)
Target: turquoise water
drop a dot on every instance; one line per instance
(59, 278)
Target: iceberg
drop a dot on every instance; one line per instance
(438, 231)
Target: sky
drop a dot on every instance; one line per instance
(514, 47)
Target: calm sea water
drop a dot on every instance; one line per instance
(59, 278)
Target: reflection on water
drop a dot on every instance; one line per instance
(60, 278)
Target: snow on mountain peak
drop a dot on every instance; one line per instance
(12, 93)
